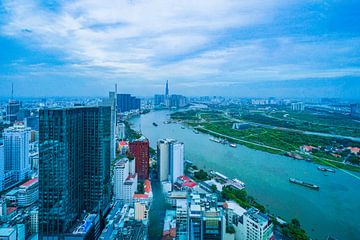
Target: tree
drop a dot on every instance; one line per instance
(213, 188)
(201, 175)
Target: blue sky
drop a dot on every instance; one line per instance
(241, 47)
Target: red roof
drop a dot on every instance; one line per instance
(138, 195)
(122, 143)
(30, 182)
(10, 210)
(189, 184)
(147, 186)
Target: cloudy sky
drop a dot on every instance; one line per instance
(203, 47)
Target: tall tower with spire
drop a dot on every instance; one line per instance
(167, 88)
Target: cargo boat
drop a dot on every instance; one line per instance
(305, 184)
(232, 145)
(155, 124)
(325, 169)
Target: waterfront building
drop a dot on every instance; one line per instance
(140, 150)
(28, 193)
(74, 166)
(257, 225)
(298, 106)
(170, 159)
(16, 152)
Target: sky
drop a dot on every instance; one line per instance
(246, 48)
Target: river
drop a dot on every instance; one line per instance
(333, 210)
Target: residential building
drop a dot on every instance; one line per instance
(257, 225)
(141, 211)
(28, 193)
(170, 159)
(16, 151)
(125, 180)
(74, 166)
(298, 106)
(182, 219)
(140, 150)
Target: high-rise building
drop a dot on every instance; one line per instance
(181, 219)
(126, 102)
(2, 169)
(170, 159)
(140, 150)
(257, 225)
(74, 166)
(12, 109)
(16, 151)
(167, 88)
(298, 106)
(125, 180)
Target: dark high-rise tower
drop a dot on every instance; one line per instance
(167, 88)
(74, 166)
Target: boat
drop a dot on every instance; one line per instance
(233, 145)
(305, 184)
(182, 127)
(196, 131)
(155, 124)
(324, 169)
(215, 140)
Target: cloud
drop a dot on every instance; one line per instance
(194, 42)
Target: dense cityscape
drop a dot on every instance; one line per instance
(179, 120)
(82, 169)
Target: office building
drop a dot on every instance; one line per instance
(74, 166)
(126, 103)
(181, 219)
(140, 150)
(12, 109)
(16, 152)
(170, 159)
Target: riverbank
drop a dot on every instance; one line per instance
(329, 211)
(274, 141)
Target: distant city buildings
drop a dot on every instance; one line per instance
(140, 150)
(169, 101)
(298, 106)
(74, 167)
(355, 110)
(170, 159)
(126, 103)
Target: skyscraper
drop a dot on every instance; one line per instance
(170, 159)
(2, 170)
(126, 102)
(167, 89)
(140, 150)
(74, 166)
(13, 108)
(16, 151)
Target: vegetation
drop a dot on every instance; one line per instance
(241, 197)
(230, 229)
(201, 175)
(140, 188)
(131, 133)
(213, 188)
(293, 230)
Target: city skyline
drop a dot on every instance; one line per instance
(247, 48)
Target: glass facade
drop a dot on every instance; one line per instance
(74, 165)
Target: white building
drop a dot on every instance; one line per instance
(121, 172)
(28, 193)
(120, 131)
(125, 180)
(7, 234)
(170, 159)
(16, 150)
(141, 211)
(298, 106)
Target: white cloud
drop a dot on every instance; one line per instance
(190, 40)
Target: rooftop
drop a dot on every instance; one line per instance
(30, 182)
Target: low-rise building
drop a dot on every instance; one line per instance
(28, 193)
